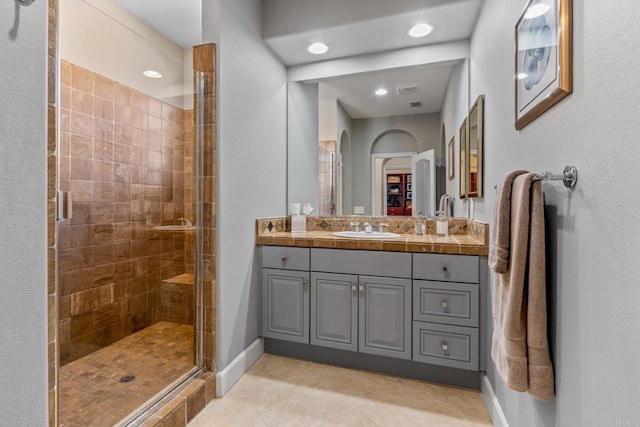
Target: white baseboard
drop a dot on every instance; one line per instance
(226, 378)
(493, 406)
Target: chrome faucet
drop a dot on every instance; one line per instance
(185, 222)
(367, 227)
(446, 206)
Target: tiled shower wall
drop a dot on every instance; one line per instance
(125, 158)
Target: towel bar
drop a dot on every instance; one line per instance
(569, 177)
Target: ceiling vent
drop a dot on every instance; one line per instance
(408, 90)
(415, 104)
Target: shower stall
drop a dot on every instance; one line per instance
(135, 239)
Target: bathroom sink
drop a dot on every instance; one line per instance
(174, 227)
(365, 235)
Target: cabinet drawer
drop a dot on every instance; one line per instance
(445, 345)
(287, 258)
(445, 302)
(370, 263)
(447, 268)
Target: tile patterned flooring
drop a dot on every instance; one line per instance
(91, 393)
(280, 391)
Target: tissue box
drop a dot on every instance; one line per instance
(298, 223)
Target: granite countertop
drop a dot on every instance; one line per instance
(429, 243)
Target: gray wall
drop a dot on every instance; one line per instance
(251, 167)
(592, 235)
(302, 135)
(23, 209)
(424, 127)
(454, 110)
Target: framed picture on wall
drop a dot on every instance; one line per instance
(451, 173)
(544, 58)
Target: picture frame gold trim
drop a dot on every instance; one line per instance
(564, 73)
(451, 156)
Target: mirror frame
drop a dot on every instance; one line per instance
(478, 109)
(463, 158)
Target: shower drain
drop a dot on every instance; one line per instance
(127, 378)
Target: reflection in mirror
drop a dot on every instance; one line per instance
(475, 149)
(451, 158)
(462, 178)
(345, 143)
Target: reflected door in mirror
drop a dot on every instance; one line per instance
(462, 173)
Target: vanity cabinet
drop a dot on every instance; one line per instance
(285, 293)
(419, 307)
(446, 310)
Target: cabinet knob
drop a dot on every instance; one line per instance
(361, 289)
(445, 268)
(353, 287)
(445, 306)
(305, 284)
(284, 259)
(445, 348)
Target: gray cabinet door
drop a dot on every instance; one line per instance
(334, 311)
(385, 316)
(285, 305)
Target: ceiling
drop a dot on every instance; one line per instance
(350, 28)
(356, 27)
(178, 20)
(356, 93)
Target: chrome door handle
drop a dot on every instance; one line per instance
(64, 205)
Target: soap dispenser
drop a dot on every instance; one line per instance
(442, 224)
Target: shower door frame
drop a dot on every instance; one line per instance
(205, 169)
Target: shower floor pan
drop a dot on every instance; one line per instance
(105, 386)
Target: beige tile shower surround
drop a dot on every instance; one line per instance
(279, 391)
(125, 157)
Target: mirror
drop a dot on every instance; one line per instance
(462, 179)
(345, 142)
(474, 171)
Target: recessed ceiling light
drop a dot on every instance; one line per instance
(536, 10)
(420, 30)
(381, 92)
(318, 48)
(152, 74)
(522, 76)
